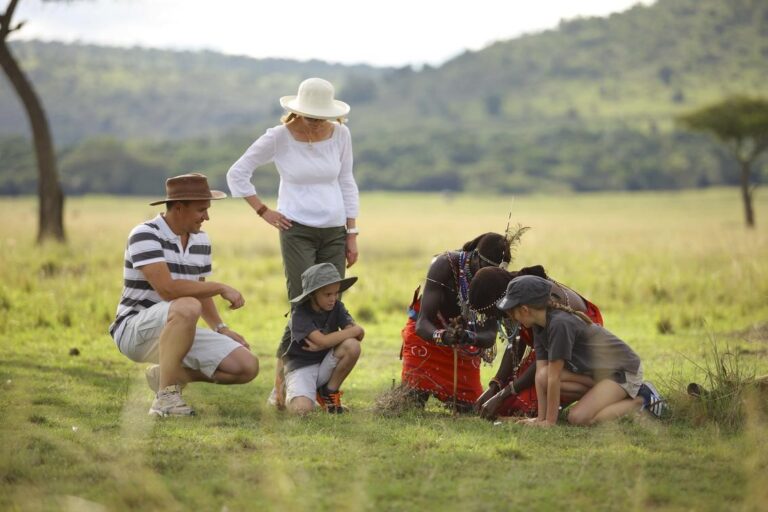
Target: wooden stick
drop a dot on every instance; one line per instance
(455, 378)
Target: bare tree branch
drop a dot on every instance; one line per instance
(5, 20)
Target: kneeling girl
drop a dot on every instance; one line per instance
(567, 341)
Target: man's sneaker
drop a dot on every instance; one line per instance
(652, 399)
(330, 402)
(152, 373)
(168, 402)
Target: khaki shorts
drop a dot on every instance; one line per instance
(139, 336)
(628, 381)
(304, 381)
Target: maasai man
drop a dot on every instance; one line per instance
(442, 344)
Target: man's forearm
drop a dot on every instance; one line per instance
(210, 313)
(186, 288)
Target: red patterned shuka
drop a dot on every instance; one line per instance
(429, 367)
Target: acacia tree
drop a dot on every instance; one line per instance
(741, 123)
(50, 194)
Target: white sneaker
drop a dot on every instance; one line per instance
(168, 402)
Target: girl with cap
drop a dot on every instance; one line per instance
(440, 321)
(512, 392)
(567, 341)
(324, 342)
(318, 202)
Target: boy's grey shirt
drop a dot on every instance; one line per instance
(305, 320)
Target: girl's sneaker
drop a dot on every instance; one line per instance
(653, 402)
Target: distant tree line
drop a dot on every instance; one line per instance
(562, 160)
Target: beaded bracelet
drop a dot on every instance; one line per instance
(496, 381)
(437, 336)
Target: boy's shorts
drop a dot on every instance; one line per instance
(139, 338)
(304, 381)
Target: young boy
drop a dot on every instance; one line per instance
(325, 342)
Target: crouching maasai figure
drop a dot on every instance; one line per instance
(567, 341)
(511, 392)
(442, 344)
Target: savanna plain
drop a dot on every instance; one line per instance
(677, 276)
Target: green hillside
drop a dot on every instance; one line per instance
(588, 106)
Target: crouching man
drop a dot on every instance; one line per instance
(165, 293)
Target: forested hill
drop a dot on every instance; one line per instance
(138, 92)
(586, 106)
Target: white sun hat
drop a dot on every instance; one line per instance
(315, 99)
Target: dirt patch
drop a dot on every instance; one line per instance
(756, 333)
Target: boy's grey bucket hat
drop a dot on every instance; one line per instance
(317, 276)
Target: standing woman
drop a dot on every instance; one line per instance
(317, 201)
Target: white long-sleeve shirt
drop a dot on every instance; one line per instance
(317, 187)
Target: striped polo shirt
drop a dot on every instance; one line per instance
(152, 242)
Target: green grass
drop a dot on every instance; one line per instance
(671, 271)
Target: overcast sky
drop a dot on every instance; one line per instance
(383, 33)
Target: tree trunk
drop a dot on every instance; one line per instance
(51, 197)
(746, 193)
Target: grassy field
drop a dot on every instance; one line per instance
(676, 275)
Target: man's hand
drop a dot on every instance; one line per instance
(491, 407)
(235, 299)
(235, 336)
(454, 333)
(493, 388)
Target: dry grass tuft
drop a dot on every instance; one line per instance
(397, 401)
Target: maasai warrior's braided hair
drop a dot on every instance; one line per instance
(562, 307)
(488, 286)
(492, 248)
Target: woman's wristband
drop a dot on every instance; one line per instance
(262, 209)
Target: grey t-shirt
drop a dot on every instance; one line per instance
(587, 349)
(305, 320)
